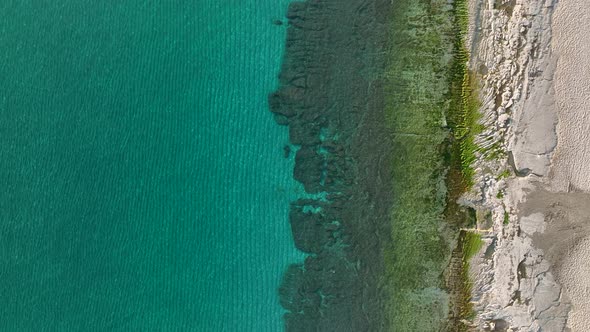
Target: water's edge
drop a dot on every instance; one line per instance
(365, 93)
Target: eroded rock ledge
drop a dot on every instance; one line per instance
(514, 284)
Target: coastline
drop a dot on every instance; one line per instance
(372, 133)
(514, 286)
(532, 274)
(525, 182)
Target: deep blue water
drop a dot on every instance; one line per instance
(143, 180)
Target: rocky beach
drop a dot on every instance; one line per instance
(532, 274)
(455, 139)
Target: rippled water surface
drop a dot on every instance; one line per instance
(143, 179)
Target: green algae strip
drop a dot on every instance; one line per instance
(470, 244)
(416, 106)
(463, 113)
(432, 109)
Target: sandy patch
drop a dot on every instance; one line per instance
(566, 244)
(571, 44)
(569, 227)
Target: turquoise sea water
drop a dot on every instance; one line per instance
(143, 180)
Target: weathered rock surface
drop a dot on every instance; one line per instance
(516, 288)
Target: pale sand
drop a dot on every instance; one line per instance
(571, 44)
(570, 170)
(565, 243)
(575, 279)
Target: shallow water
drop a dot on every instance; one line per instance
(144, 178)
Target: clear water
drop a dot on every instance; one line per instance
(143, 180)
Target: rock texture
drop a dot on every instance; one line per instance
(516, 288)
(511, 52)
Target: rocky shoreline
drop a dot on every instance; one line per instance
(357, 221)
(530, 226)
(368, 118)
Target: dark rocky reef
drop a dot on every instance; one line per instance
(331, 98)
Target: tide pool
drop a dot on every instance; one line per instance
(144, 182)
